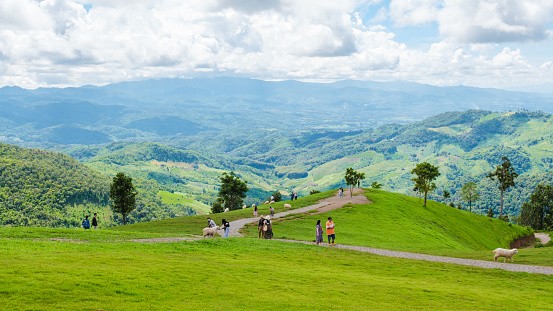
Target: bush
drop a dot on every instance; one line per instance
(452, 204)
(314, 192)
(490, 213)
(376, 185)
(504, 218)
(217, 206)
(277, 196)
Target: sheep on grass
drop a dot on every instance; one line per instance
(287, 205)
(226, 210)
(507, 253)
(210, 231)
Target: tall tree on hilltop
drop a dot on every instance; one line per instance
(538, 211)
(123, 194)
(233, 190)
(469, 193)
(352, 177)
(426, 173)
(505, 175)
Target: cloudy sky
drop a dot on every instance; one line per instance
(484, 43)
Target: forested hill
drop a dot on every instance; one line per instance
(50, 189)
(38, 187)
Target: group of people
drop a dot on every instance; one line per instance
(329, 232)
(225, 225)
(86, 223)
(265, 228)
(293, 195)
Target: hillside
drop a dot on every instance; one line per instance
(50, 189)
(398, 222)
(465, 145)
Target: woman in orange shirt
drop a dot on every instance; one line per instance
(330, 230)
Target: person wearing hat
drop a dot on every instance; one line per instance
(330, 230)
(260, 226)
(268, 233)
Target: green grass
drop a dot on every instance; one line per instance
(398, 222)
(195, 224)
(173, 198)
(247, 274)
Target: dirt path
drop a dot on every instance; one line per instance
(458, 261)
(544, 237)
(325, 205)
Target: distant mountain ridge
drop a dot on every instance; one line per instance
(176, 109)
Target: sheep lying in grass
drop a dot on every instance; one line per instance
(287, 205)
(244, 206)
(210, 231)
(253, 205)
(272, 202)
(266, 202)
(507, 253)
(226, 210)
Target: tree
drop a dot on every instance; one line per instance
(446, 194)
(277, 196)
(538, 211)
(376, 185)
(233, 190)
(217, 206)
(490, 213)
(426, 173)
(123, 194)
(470, 194)
(505, 175)
(352, 177)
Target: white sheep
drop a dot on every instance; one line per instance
(266, 202)
(507, 253)
(287, 205)
(210, 231)
(253, 205)
(272, 202)
(244, 206)
(226, 210)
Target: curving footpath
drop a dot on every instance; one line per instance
(337, 202)
(326, 205)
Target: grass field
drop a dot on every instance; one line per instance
(398, 222)
(195, 224)
(242, 274)
(179, 198)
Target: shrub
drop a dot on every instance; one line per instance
(314, 192)
(277, 196)
(490, 213)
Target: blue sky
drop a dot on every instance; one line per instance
(483, 43)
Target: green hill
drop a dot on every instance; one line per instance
(398, 222)
(50, 189)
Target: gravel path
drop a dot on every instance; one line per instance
(458, 261)
(326, 205)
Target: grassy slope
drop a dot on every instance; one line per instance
(180, 199)
(398, 222)
(245, 274)
(195, 224)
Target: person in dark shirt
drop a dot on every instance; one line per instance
(95, 221)
(226, 226)
(260, 227)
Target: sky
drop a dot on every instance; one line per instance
(482, 43)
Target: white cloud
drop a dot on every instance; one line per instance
(59, 43)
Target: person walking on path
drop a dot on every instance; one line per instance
(210, 223)
(267, 228)
(296, 196)
(95, 221)
(272, 209)
(340, 192)
(255, 211)
(86, 222)
(226, 226)
(330, 230)
(319, 232)
(260, 227)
